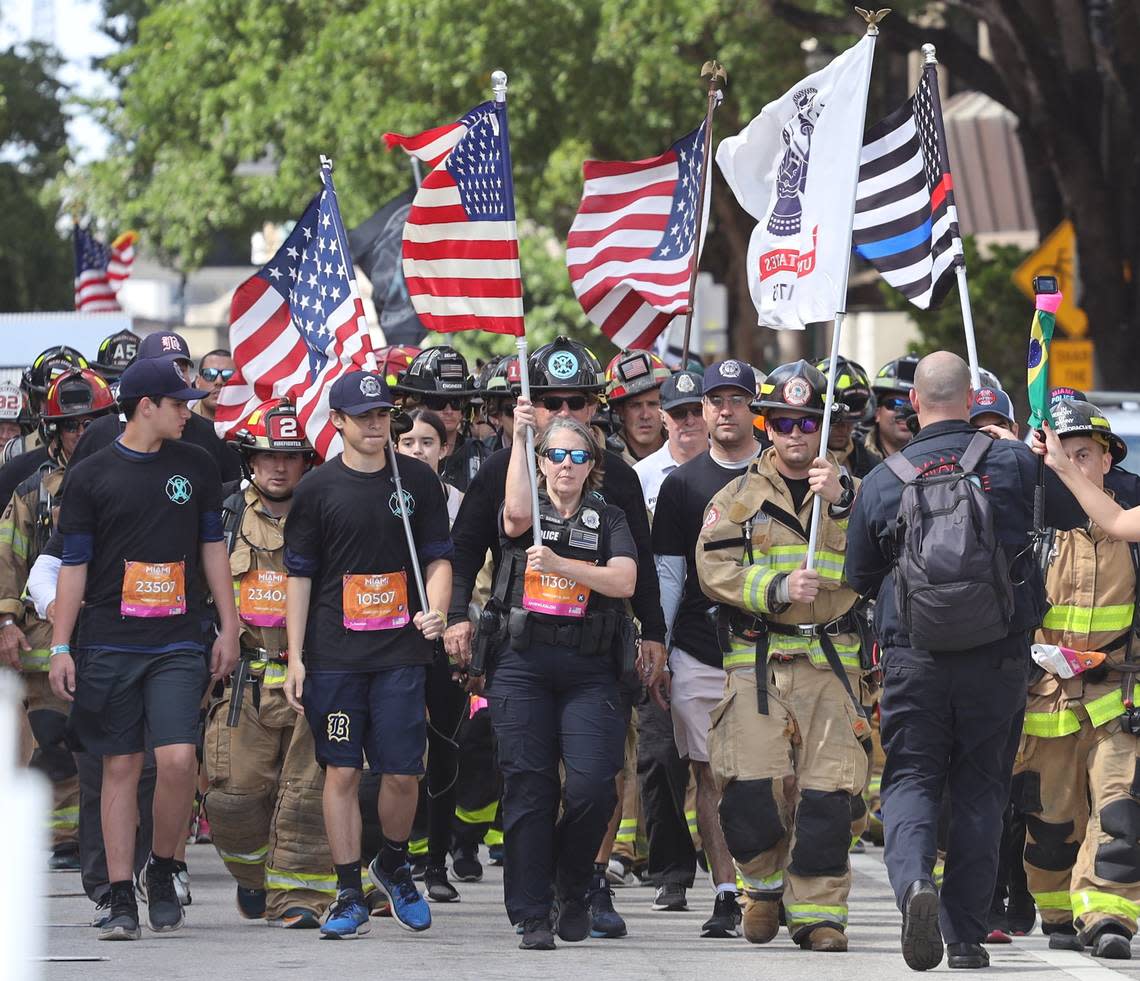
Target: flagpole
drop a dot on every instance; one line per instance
(872, 18)
(930, 63)
(499, 88)
(717, 77)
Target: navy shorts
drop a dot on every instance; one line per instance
(128, 701)
(380, 715)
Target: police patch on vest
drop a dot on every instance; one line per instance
(590, 518)
(409, 503)
(797, 391)
(584, 539)
(337, 727)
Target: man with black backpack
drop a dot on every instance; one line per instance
(941, 534)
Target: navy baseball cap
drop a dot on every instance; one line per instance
(730, 374)
(157, 378)
(993, 400)
(357, 392)
(163, 344)
(683, 388)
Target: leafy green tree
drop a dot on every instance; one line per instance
(35, 261)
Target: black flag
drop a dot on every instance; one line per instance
(377, 247)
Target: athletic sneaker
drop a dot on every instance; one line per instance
(182, 883)
(408, 906)
(536, 934)
(619, 873)
(123, 922)
(102, 911)
(571, 919)
(348, 917)
(163, 909)
(296, 918)
(64, 858)
(439, 890)
(670, 896)
(251, 903)
(465, 864)
(605, 921)
(495, 854)
(725, 920)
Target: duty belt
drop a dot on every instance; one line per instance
(555, 634)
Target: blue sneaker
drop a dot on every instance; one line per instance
(408, 907)
(348, 917)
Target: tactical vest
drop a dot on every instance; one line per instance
(581, 537)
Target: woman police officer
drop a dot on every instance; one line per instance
(553, 687)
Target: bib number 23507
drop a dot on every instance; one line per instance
(153, 589)
(378, 602)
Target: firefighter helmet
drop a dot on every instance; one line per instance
(797, 385)
(1074, 418)
(565, 364)
(632, 372)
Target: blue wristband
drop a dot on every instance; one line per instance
(59, 649)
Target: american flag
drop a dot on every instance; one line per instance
(297, 325)
(100, 271)
(631, 247)
(461, 250)
(906, 224)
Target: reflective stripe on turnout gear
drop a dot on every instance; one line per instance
(1093, 901)
(803, 914)
(246, 858)
(284, 881)
(1054, 725)
(1084, 620)
(743, 654)
(1053, 900)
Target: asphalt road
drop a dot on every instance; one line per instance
(472, 939)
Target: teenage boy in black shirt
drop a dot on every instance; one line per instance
(353, 609)
(140, 518)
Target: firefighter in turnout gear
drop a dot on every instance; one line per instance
(790, 722)
(264, 798)
(854, 405)
(1078, 756)
(71, 401)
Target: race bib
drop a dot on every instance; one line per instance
(261, 598)
(153, 589)
(544, 592)
(375, 602)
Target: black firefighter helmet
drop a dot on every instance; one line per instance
(565, 364)
(1075, 418)
(798, 385)
(438, 370)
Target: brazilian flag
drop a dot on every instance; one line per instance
(1040, 337)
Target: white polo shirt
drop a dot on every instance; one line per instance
(652, 472)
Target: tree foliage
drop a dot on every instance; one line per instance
(35, 262)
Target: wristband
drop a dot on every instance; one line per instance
(7, 622)
(440, 614)
(59, 649)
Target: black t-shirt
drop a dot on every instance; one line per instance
(141, 508)
(677, 520)
(198, 432)
(798, 489)
(346, 523)
(19, 469)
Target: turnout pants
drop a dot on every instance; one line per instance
(1083, 863)
(47, 717)
(264, 802)
(786, 782)
(551, 705)
(950, 722)
(625, 844)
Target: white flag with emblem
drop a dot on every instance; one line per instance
(794, 169)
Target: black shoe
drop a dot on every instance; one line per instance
(1113, 947)
(725, 920)
(163, 909)
(439, 890)
(251, 903)
(1063, 940)
(465, 864)
(537, 935)
(419, 867)
(64, 858)
(1020, 914)
(102, 911)
(670, 896)
(122, 923)
(572, 919)
(968, 956)
(921, 937)
(605, 922)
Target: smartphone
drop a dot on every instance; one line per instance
(1045, 284)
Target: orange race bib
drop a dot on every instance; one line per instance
(375, 602)
(544, 592)
(261, 598)
(153, 589)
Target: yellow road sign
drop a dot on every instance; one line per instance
(1071, 363)
(1057, 256)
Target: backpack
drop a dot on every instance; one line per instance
(952, 584)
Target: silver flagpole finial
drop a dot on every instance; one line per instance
(929, 55)
(499, 85)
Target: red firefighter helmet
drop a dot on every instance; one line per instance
(632, 372)
(273, 427)
(393, 361)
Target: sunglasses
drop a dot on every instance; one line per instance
(784, 425)
(213, 374)
(682, 412)
(75, 425)
(894, 402)
(437, 403)
(558, 455)
(554, 403)
(718, 402)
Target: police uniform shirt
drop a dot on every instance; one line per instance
(124, 506)
(344, 522)
(198, 432)
(677, 521)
